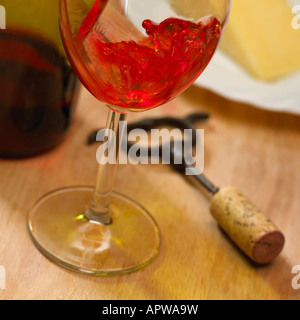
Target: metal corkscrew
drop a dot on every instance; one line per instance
(249, 228)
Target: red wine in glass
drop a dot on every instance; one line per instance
(145, 73)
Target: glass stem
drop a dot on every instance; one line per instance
(107, 157)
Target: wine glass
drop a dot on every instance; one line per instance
(132, 55)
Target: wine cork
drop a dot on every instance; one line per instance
(254, 233)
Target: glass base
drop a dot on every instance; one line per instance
(62, 233)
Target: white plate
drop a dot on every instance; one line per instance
(230, 80)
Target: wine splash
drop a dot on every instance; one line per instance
(151, 71)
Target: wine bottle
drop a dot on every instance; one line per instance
(38, 88)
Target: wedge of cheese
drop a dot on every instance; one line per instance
(260, 36)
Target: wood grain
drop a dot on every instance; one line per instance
(256, 151)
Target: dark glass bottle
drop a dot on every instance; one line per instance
(38, 88)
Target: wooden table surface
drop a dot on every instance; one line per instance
(252, 149)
